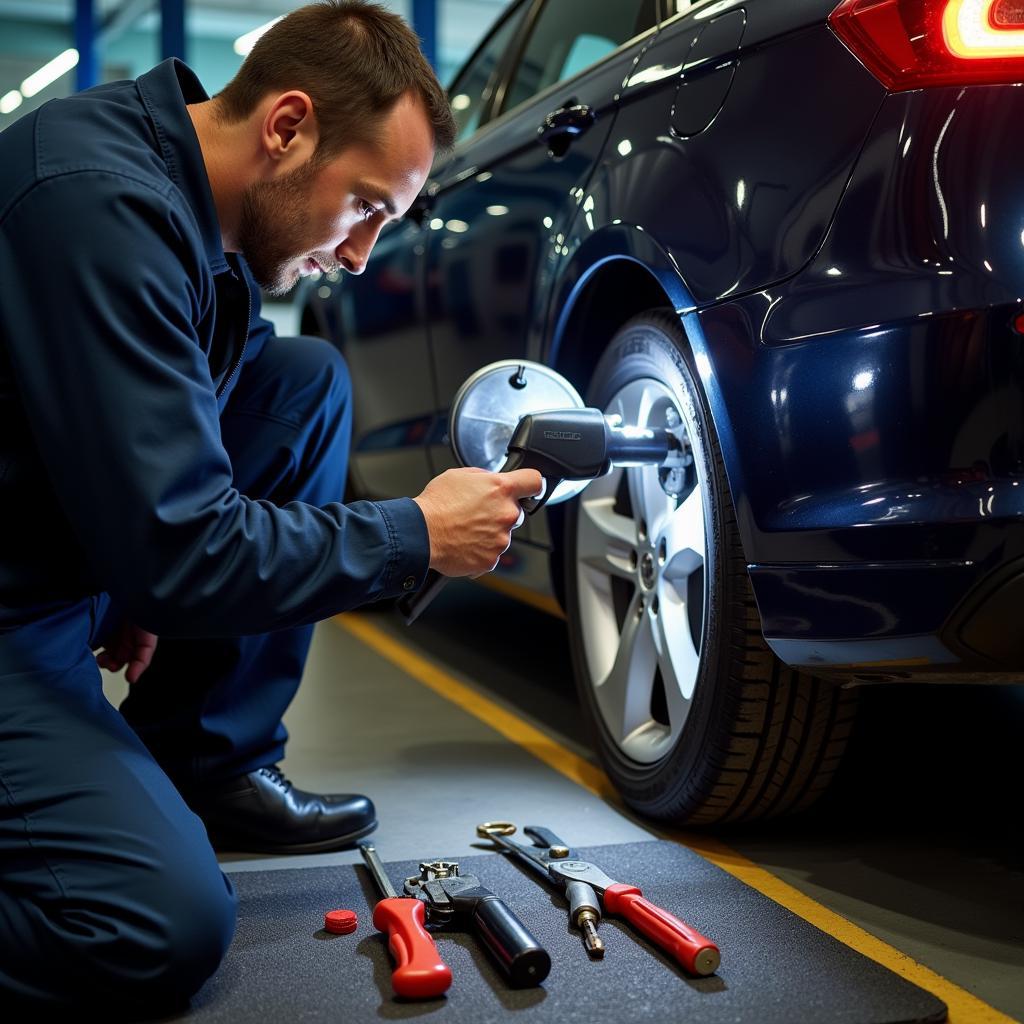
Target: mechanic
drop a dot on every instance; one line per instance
(169, 468)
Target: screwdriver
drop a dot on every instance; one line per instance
(420, 973)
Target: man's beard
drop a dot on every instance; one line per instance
(274, 228)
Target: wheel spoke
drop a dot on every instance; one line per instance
(651, 505)
(624, 695)
(685, 540)
(678, 657)
(605, 538)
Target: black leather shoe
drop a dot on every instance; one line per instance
(263, 812)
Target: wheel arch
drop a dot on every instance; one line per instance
(616, 274)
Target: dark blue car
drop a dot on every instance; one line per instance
(797, 230)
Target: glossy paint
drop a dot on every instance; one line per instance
(847, 266)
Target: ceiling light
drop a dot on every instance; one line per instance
(243, 44)
(49, 73)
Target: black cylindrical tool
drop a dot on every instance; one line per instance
(449, 895)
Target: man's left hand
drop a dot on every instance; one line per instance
(129, 646)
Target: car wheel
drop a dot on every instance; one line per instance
(694, 718)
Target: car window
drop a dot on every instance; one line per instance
(569, 36)
(475, 84)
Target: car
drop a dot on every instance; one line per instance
(792, 230)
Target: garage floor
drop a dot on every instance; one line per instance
(914, 860)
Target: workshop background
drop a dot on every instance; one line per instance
(913, 859)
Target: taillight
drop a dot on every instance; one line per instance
(908, 44)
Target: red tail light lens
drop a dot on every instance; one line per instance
(908, 44)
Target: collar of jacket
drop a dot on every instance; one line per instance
(165, 91)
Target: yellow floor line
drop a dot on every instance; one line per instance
(964, 1008)
(523, 594)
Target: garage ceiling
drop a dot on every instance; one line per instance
(34, 31)
(462, 22)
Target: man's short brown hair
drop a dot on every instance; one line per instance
(354, 59)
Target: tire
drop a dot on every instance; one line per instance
(694, 719)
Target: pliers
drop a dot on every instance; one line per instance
(584, 884)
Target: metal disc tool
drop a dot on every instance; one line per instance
(490, 403)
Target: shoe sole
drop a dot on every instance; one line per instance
(225, 842)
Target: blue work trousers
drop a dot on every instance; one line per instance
(110, 894)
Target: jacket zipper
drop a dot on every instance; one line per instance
(245, 341)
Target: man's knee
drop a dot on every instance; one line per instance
(187, 928)
(147, 944)
(316, 361)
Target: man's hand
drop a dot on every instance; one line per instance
(129, 646)
(471, 514)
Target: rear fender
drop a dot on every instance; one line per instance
(614, 274)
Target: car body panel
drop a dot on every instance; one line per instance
(486, 289)
(848, 266)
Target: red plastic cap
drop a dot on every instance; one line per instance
(1018, 323)
(908, 44)
(341, 922)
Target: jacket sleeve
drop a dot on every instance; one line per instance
(106, 278)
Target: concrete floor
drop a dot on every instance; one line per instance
(918, 842)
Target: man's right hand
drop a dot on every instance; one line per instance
(471, 514)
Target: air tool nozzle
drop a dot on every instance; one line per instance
(581, 444)
(565, 444)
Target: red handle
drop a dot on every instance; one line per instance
(697, 954)
(420, 972)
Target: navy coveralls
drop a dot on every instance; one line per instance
(163, 458)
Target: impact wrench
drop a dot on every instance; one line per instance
(569, 444)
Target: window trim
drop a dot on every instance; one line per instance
(564, 82)
(696, 5)
(496, 116)
(500, 71)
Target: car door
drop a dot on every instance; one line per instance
(501, 207)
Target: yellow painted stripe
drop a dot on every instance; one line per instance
(521, 593)
(504, 722)
(964, 1008)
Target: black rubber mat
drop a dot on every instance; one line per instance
(776, 968)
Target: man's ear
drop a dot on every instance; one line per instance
(290, 132)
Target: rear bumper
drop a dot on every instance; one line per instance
(940, 620)
(871, 408)
(878, 477)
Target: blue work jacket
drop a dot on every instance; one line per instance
(122, 325)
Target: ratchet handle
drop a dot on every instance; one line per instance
(697, 954)
(520, 956)
(412, 605)
(419, 972)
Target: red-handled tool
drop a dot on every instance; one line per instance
(686, 945)
(584, 883)
(419, 972)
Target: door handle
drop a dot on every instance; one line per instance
(562, 126)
